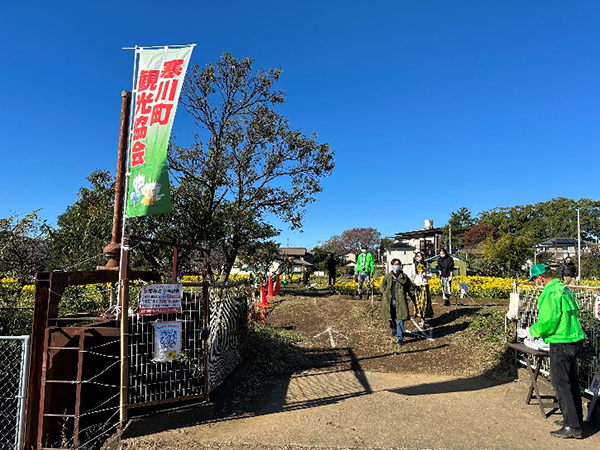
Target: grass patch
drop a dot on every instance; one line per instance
(273, 349)
(486, 334)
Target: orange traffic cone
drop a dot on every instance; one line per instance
(263, 298)
(277, 285)
(270, 290)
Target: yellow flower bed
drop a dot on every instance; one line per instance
(481, 287)
(198, 278)
(8, 288)
(351, 287)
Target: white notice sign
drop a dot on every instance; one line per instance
(167, 338)
(161, 298)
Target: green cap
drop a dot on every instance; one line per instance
(537, 269)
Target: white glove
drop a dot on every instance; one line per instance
(523, 333)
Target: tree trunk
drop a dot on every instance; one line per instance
(229, 262)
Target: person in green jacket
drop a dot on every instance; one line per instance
(395, 287)
(365, 267)
(559, 325)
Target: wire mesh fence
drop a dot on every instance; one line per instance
(587, 297)
(13, 372)
(151, 381)
(214, 335)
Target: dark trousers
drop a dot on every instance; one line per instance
(565, 381)
(331, 277)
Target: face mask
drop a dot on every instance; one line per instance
(396, 268)
(442, 255)
(540, 285)
(419, 259)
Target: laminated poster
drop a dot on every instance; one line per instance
(167, 338)
(161, 298)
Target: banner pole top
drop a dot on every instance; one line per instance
(158, 46)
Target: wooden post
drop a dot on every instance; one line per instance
(112, 250)
(34, 386)
(174, 268)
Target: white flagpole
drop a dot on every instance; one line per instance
(123, 307)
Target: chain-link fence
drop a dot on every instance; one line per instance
(13, 371)
(587, 297)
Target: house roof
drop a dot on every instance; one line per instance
(418, 233)
(400, 246)
(293, 251)
(562, 241)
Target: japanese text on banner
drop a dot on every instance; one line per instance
(160, 78)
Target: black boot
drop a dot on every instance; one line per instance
(567, 432)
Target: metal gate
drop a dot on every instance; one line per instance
(88, 370)
(14, 352)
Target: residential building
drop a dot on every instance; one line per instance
(297, 257)
(426, 240)
(404, 252)
(560, 248)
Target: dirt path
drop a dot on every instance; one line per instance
(365, 392)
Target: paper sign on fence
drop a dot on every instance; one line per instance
(161, 298)
(167, 337)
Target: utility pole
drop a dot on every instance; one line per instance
(449, 239)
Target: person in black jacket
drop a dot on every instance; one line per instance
(568, 271)
(332, 262)
(445, 265)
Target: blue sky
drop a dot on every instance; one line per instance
(429, 105)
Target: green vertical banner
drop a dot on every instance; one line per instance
(160, 76)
